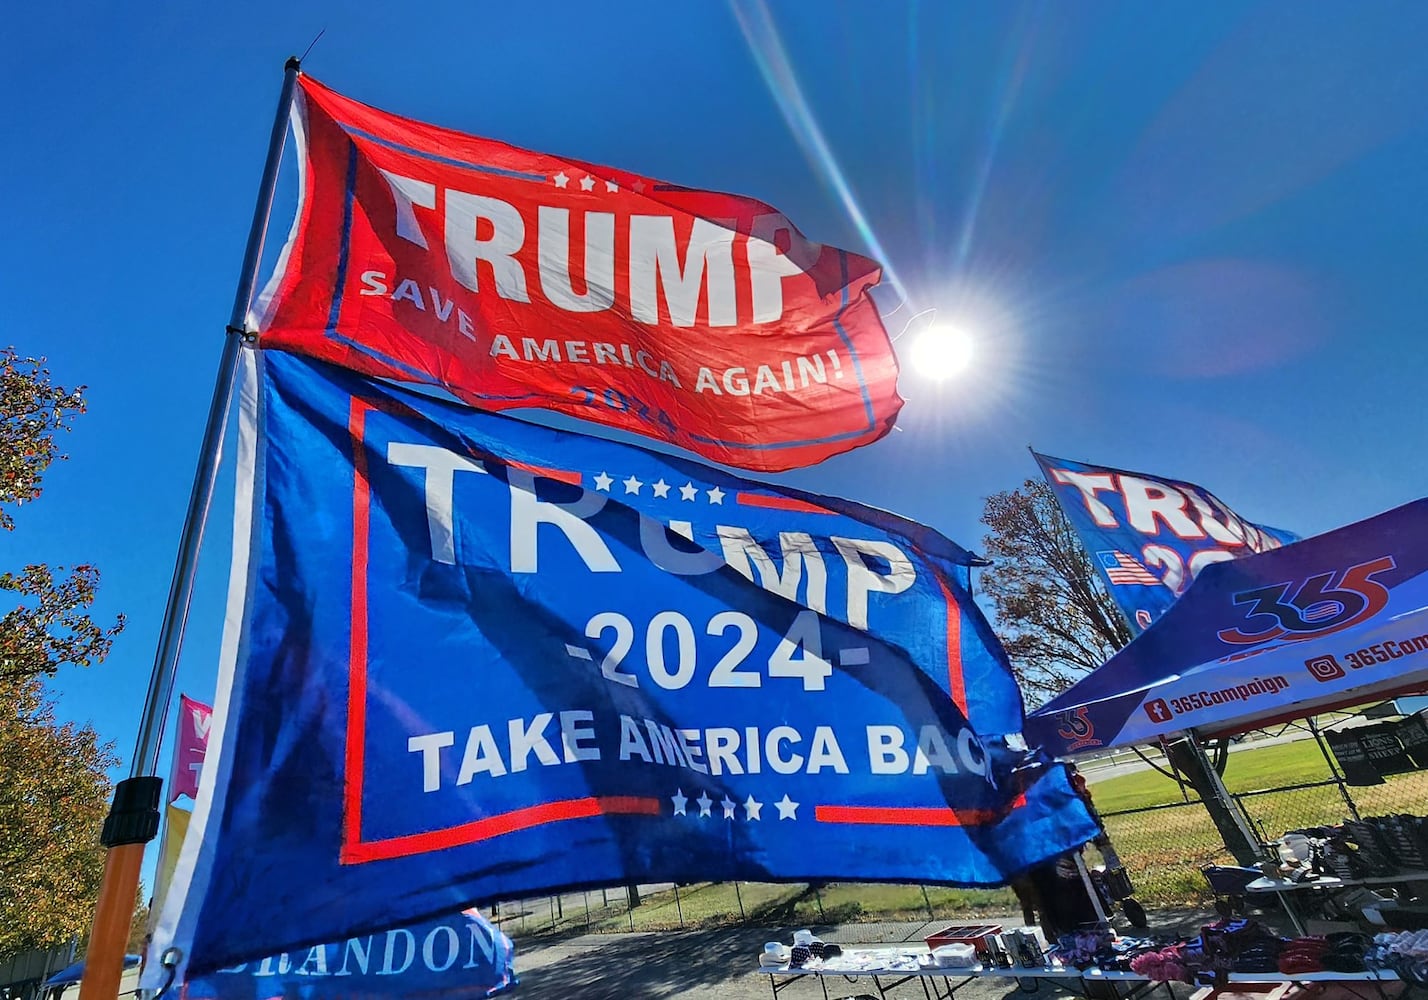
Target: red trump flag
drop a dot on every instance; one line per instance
(519, 279)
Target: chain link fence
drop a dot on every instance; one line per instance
(704, 905)
(1285, 779)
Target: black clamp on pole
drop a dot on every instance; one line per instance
(134, 815)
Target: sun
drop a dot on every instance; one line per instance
(941, 352)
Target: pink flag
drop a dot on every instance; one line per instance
(195, 718)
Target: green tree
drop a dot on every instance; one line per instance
(1058, 623)
(54, 788)
(54, 793)
(49, 624)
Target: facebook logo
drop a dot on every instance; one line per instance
(1158, 710)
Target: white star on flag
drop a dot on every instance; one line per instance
(561, 180)
(704, 803)
(680, 800)
(716, 495)
(611, 186)
(688, 491)
(638, 186)
(587, 183)
(752, 806)
(729, 807)
(661, 488)
(602, 482)
(632, 485)
(787, 809)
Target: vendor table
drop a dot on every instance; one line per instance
(1283, 886)
(943, 983)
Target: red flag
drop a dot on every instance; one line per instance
(193, 724)
(518, 279)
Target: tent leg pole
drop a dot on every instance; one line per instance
(1091, 888)
(1226, 803)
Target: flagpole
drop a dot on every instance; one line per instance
(134, 813)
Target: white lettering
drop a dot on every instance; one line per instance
(525, 739)
(528, 513)
(825, 752)
(407, 192)
(408, 939)
(654, 255)
(885, 752)
(428, 948)
(430, 747)
(441, 467)
(774, 753)
(481, 756)
(796, 549)
(464, 213)
(553, 241)
(1089, 484)
(575, 730)
(862, 580)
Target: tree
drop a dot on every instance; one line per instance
(54, 788)
(54, 793)
(49, 625)
(1056, 619)
(1058, 622)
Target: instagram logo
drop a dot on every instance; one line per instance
(1324, 668)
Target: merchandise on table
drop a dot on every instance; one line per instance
(979, 936)
(1405, 954)
(955, 956)
(1228, 947)
(1249, 947)
(1376, 847)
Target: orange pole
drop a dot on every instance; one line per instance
(104, 958)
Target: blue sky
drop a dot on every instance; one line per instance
(1190, 238)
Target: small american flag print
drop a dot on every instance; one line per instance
(1122, 568)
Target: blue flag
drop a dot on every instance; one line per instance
(1148, 536)
(460, 956)
(480, 659)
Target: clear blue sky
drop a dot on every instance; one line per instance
(1192, 237)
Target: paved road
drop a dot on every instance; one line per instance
(704, 965)
(1125, 762)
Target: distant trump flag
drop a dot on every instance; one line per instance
(520, 279)
(1149, 536)
(472, 658)
(194, 721)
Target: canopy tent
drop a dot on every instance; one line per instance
(1334, 620)
(72, 974)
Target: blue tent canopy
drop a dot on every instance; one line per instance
(1334, 620)
(75, 972)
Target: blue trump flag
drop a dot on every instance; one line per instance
(474, 658)
(458, 956)
(1148, 536)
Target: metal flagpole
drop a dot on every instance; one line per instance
(134, 814)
